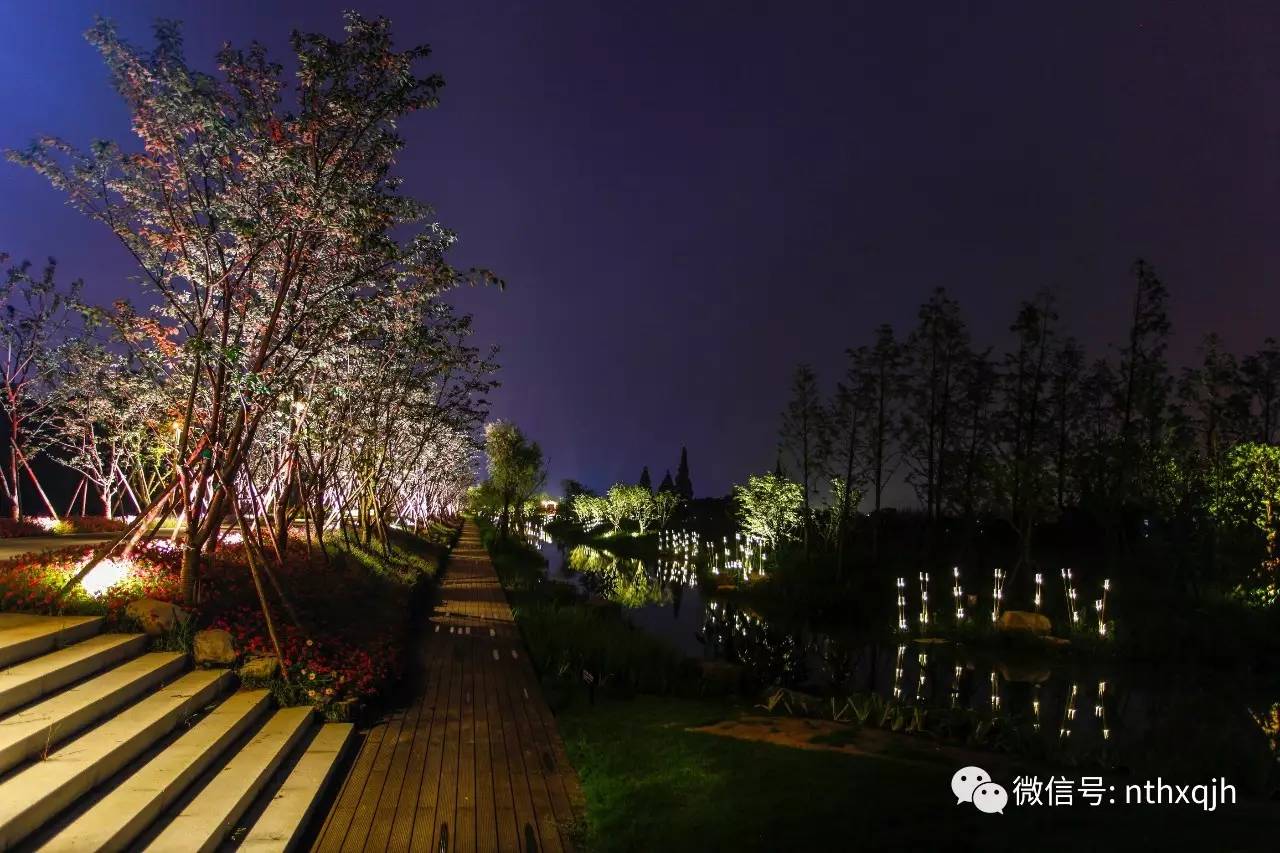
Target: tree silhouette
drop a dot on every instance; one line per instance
(644, 479)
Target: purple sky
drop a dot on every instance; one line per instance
(688, 200)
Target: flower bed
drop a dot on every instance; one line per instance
(355, 622)
(13, 528)
(43, 525)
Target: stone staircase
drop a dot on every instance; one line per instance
(106, 746)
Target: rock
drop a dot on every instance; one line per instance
(1021, 620)
(215, 647)
(1023, 673)
(260, 669)
(155, 617)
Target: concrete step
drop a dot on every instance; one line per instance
(35, 794)
(116, 821)
(37, 728)
(33, 679)
(212, 814)
(25, 635)
(280, 826)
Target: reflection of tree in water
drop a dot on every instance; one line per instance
(622, 580)
(738, 636)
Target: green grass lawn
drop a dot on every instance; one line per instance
(652, 785)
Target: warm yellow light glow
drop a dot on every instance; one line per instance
(105, 575)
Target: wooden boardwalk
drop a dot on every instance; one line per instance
(475, 763)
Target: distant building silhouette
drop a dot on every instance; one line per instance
(684, 486)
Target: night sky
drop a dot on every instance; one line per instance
(688, 198)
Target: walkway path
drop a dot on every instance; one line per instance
(475, 762)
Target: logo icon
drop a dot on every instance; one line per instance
(974, 785)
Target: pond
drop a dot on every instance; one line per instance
(1174, 721)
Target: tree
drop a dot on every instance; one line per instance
(769, 506)
(1214, 401)
(665, 503)
(1025, 449)
(644, 479)
(516, 470)
(262, 230)
(590, 510)
(633, 503)
(847, 422)
(1261, 374)
(935, 353)
(1066, 410)
(684, 486)
(1248, 493)
(1145, 382)
(875, 374)
(667, 485)
(805, 434)
(37, 315)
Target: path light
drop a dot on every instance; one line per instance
(1039, 589)
(1100, 709)
(1070, 590)
(958, 670)
(1035, 707)
(1069, 713)
(957, 593)
(922, 664)
(995, 692)
(924, 599)
(997, 594)
(902, 604)
(897, 672)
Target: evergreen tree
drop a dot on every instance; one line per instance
(645, 481)
(667, 485)
(684, 486)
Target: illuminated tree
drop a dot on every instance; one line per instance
(261, 229)
(665, 505)
(1248, 493)
(37, 315)
(769, 506)
(516, 470)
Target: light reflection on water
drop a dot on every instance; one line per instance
(1172, 721)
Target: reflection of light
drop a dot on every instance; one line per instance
(105, 575)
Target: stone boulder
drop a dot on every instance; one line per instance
(260, 669)
(215, 647)
(1024, 673)
(155, 617)
(1021, 620)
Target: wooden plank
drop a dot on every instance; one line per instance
(447, 799)
(424, 826)
(476, 754)
(384, 810)
(508, 834)
(465, 817)
(338, 822)
(362, 817)
(401, 835)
